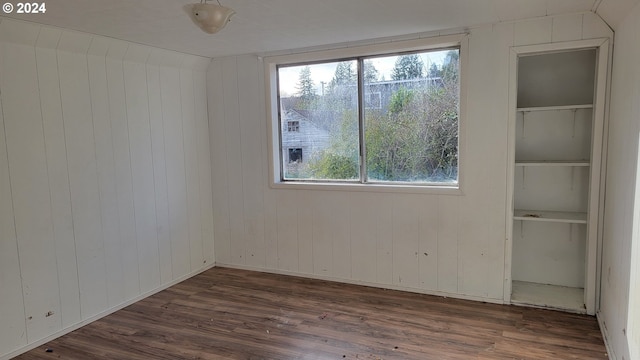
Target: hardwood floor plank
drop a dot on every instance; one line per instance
(235, 314)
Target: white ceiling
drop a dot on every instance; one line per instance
(261, 26)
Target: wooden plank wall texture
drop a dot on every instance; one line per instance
(106, 159)
(105, 177)
(452, 245)
(620, 291)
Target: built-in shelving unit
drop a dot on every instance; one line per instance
(553, 173)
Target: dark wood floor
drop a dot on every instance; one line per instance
(233, 314)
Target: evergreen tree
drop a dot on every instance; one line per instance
(305, 86)
(452, 56)
(407, 67)
(342, 87)
(415, 139)
(434, 72)
(370, 72)
(344, 74)
(450, 65)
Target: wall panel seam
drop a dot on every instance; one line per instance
(133, 199)
(95, 159)
(15, 228)
(66, 152)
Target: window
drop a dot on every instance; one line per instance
(295, 155)
(379, 118)
(293, 126)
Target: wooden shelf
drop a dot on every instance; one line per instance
(553, 163)
(552, 108)
(551, 216)
(548, 296)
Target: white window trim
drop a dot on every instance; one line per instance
(270, 69)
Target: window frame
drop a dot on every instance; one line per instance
(271, 64)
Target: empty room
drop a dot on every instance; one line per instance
(299, 179)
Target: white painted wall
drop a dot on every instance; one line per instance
(105, 177)
(620, 300)
(105, 166)
(443, 244)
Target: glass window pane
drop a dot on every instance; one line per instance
(319, 121)
(411, 117)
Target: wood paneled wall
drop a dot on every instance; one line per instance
(620, 289)
(105, 177)
(106, 183)
(452, 245)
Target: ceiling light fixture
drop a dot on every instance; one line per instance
(211, 18)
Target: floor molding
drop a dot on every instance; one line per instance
(605, 337)
(365, 283)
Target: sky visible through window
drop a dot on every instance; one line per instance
(323, 73)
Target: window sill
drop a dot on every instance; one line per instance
(453, 189)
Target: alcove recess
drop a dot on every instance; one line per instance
(552, 175)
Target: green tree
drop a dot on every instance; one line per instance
(450, 68)
(416, 139)
(340, 160)
(400, 100)
(305, 86)
(407, 67)
(342, 87)
(370, 72)
(344, 74)
(329, 165)
(434, 72)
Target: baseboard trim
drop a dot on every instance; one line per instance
(102, 314)
(111, 310)
(363, 283)
(605, 336)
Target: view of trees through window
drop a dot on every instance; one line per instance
(406, 114)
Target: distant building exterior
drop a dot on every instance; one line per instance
(304, 132)
(377, 95)
(301, 137)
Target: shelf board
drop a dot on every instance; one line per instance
(551, 108)
(553, 163)
(551, 216)
(548, 296)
